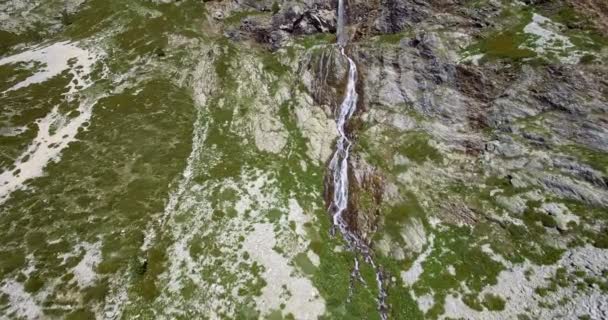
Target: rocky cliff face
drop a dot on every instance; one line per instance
(168, 159)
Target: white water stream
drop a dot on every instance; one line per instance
(338, 167)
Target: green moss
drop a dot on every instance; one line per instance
(532, 216)
(16, 72)
(506, 45)
(246, 312)
(33, 284)
(99, 15)
(396, 217)
(96, 293)
(276, 314)
(22, 107)
(81, 314)
(581, 29)
(601, 241)
(275, 7)
(493, 302)
(456, 246)
(304, 263)
(417, 148)
(516, 242)
(129, 187)
(505, 42)
(223, 64)
(125, 193)
(538, 124)
(366, 202)
(587, 59)
(9, 40)
(472, 302)
(273, 65)
(391, 39)
(332, 278)
(11, 260)
(414, 145)
(319, 39)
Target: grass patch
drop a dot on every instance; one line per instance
(506, 45)
(493, 302)
(318, 39)
(456, 246)
(237, 17)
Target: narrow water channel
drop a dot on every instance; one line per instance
(338, 168)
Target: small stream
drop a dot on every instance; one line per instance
(338, 168)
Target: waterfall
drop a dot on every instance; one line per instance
(340, 34)
(339, 162)
(338, 167)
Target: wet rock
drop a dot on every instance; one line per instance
(515, 102)
(368, 190)
(387, 79)
(305, 18)
(558, 95)
(323, 73)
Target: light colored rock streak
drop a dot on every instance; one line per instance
(304, 302)
(21, 302)
(410, 277)
(548, 40)
(84, 271)
(56, 58)
(55, 130)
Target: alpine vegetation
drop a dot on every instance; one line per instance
(303, 159)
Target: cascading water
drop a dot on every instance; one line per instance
(340, 34)
(338, 167)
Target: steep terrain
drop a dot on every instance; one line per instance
(173, 159)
